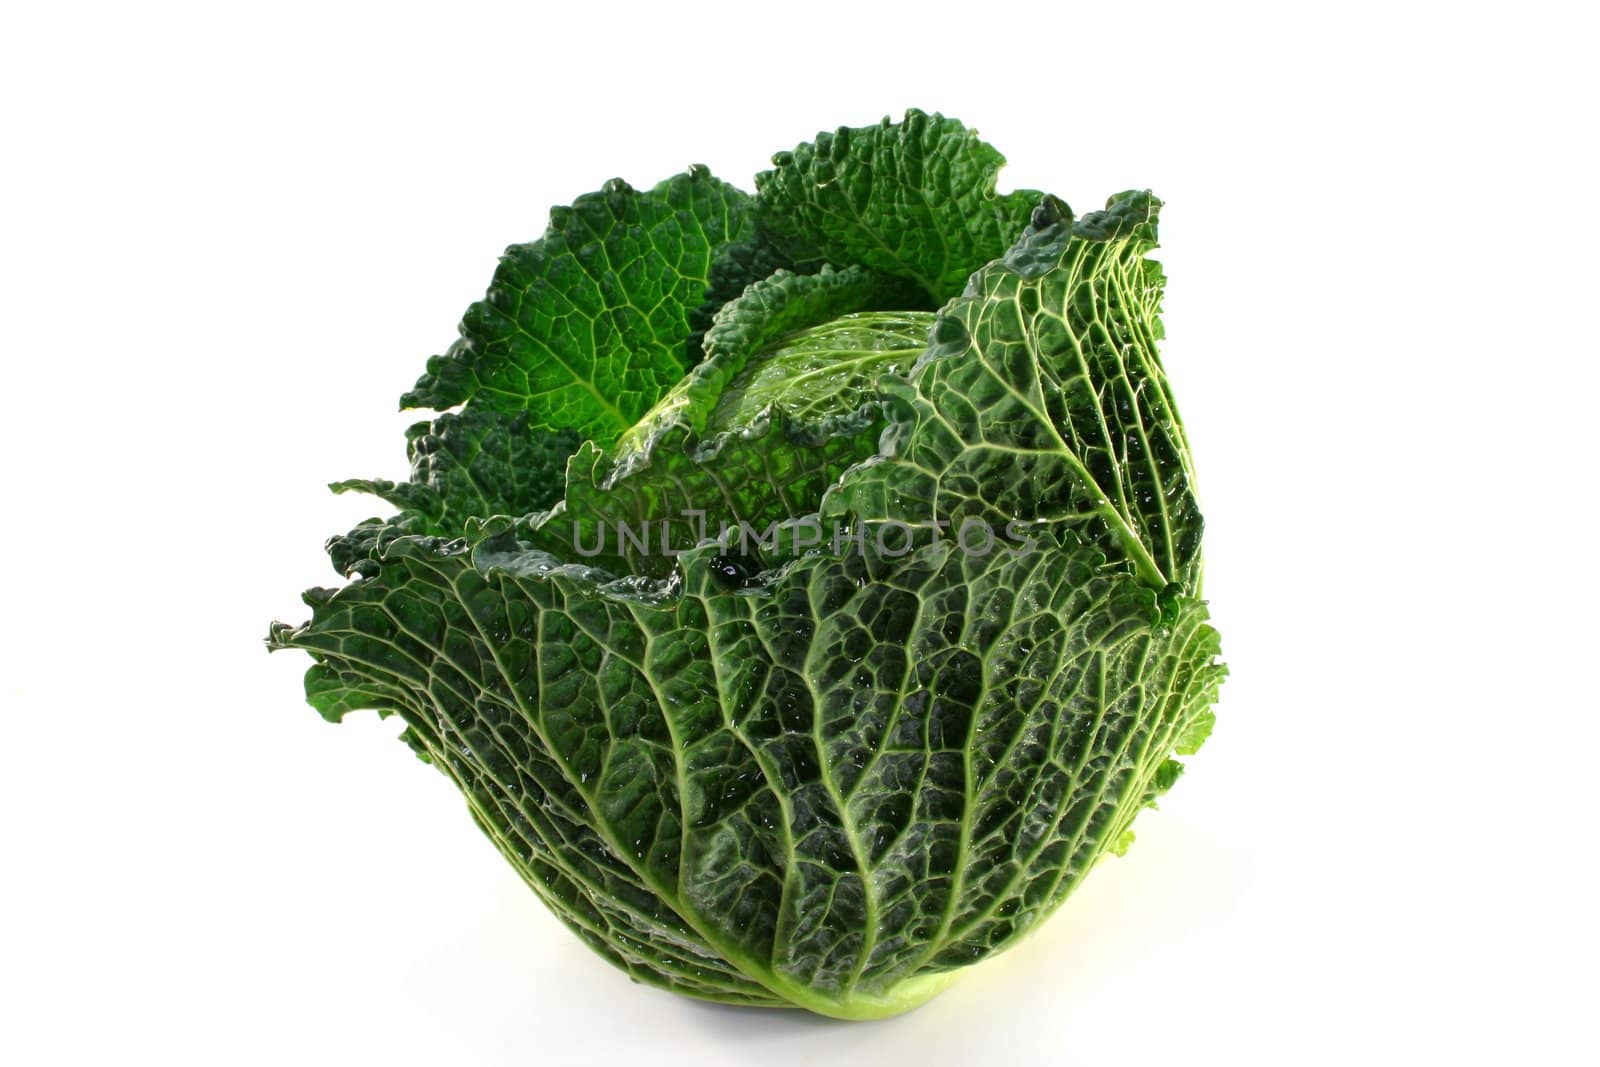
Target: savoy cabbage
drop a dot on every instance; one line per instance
(801, 587)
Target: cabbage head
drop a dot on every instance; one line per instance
(802, 588)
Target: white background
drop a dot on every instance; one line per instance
(232, 234)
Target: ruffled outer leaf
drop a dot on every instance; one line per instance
(913, 199)
(585, 328)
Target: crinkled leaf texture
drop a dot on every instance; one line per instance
(831, 792)
(914, 199)
(1041, 398)
(834, 776)
(585, 327)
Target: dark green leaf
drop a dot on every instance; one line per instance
(585, 328)
(467, 465)
(914, 199)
